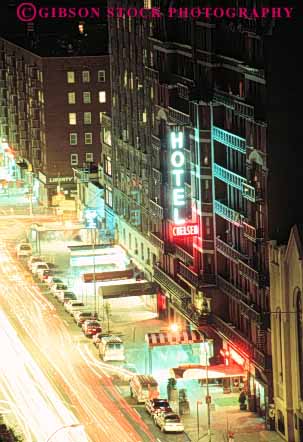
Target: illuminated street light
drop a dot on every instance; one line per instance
(174, 328)
(64, 427)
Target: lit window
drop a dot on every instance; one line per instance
(87, 118)
(71, 97)
(108, 166)
(72, 117)
(100, 116)
(71, 77)
(89, 157)
(109, 196)
(73, 139)
(85, 76)
(101, 76)
(87, 98)
(144, 116)
(88, 138)
(74, 159)
(131, 81)
(107, 136)
(147, 4)
(102, 97)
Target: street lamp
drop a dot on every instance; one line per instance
(174, 328)
(63, 427)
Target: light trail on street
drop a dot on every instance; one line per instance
(75, 380)
(24, 384)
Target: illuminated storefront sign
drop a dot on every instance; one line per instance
(90, 218)
(186, 230)
(177, 162)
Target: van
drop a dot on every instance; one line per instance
(24, 250)
(111, 348)
(143, 387)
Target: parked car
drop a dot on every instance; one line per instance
(23, 250)
(80, 317)
(65, 295)
(57, 287)
(32, 260)
(53, 280)
(155, 405)
(43, 275)
(40, 271)
(91, 328)
(73, 305)
(37, 266)
(143, 387)
(170, 422)
(111, 348)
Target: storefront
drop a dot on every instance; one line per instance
(50, 187)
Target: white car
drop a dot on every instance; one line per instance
(73, 305)
(57, 288)
(32, 260)
(37, 266)
(52, 279)
(24, 250)
(168, 421)
(66, 295)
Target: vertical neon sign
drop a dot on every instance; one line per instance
(177, 161)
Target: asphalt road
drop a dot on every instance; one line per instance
(51, 375)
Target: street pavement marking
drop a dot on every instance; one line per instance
(159, 440)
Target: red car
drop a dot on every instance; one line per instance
(91, 328)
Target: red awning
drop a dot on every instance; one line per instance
(214, 371)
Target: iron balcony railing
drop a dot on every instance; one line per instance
(156, 209)
(248, 272)
(230, 140)
(156, 240)
(169, 284)
(228, 177)
(178, 116)
(248, 192)
(184, 256)
(244, 110)
(229, 251)
(228, 213)
(225, 99)
(229, 332)
(249, 231)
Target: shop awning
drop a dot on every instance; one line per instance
(123, 289)
(199, 371)
(176, 338)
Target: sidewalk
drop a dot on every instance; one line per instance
(247, 427)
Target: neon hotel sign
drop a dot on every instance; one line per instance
(177, 164)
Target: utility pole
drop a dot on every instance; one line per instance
(94, 233)
(30, 190)
(208, 399)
